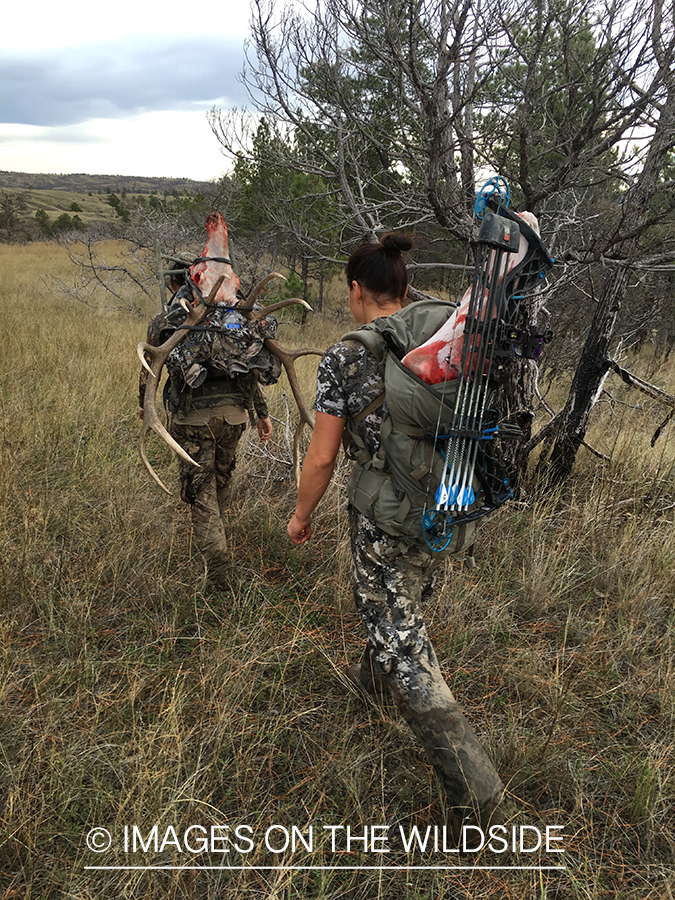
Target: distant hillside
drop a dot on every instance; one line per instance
(85, 184)
(91, 207)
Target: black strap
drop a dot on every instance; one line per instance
(372, 406)
(186, 264)
(221, 259)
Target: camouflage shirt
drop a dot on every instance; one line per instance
(348, 380)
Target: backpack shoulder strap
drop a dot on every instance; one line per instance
(371, 338)
(398, 333)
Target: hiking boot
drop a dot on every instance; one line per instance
(219, 573)
(497, 811)
(373, 685)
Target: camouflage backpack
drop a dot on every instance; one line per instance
(396, 486)
(219, 362)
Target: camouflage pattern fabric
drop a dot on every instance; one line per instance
(348, 380)
(207, 489)
(245, 383)
(225, 344)
(226, 355)
(391, 580)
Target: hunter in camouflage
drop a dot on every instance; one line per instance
(214, 389)
(393, 574)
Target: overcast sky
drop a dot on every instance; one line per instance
(119, 88)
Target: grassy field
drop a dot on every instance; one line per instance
(133, 694)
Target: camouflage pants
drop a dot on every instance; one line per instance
(391, 581)
(207, 489)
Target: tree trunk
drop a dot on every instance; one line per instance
(305, 289)
(319, 301)
(635, 207)
(588, 377)
(516, 397)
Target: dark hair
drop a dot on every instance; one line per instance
(379, 268)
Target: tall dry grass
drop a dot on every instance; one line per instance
(134, 694)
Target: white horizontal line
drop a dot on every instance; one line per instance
(317, 868)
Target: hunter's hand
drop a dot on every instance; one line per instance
(265, 429)
(299, 531)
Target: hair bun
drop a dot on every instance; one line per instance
(394, 243)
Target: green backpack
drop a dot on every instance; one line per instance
(396, 486)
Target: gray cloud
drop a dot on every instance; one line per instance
(111, 81)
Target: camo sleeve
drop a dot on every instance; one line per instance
(330, 390)
(260, 402)
(348, 380)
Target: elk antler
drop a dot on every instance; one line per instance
(158, 356)
(287, 359)
(252, 297)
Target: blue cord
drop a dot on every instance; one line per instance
(497, 185)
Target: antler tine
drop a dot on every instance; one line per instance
(252, 297)
(273, 307)
(143, 452)
(287, 359)
(159, 355)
